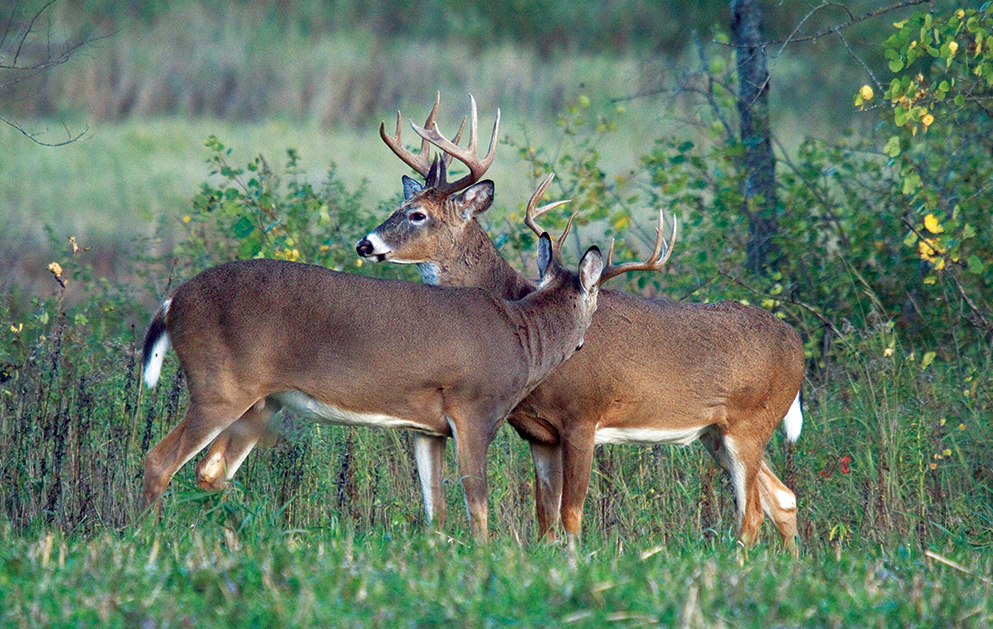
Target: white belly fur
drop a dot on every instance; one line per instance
(327, 414)
(646, 436)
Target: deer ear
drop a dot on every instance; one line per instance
(475, 199)
(544, 255)
(410, 187)
(590, 269)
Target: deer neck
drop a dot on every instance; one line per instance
(551, 327)
(475, 261)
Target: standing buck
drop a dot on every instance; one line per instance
(254, 336)
(651, 371)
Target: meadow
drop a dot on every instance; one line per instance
(324, 525)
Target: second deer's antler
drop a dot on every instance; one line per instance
(468, 155)
(420, 161)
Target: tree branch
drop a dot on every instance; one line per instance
(839, 27)
(70, 138)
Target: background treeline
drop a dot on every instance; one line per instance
(341, 61)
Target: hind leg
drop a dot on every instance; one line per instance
(232, 446)
(738, 457)
(201, 424)
(779, 503)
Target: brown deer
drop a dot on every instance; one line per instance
(651, 371)
(257, 335)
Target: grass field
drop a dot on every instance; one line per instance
(269, 577)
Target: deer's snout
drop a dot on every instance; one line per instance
(364, 247)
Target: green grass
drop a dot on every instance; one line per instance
(159, 576)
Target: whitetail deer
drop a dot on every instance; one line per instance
(257, 335)
(651, 371)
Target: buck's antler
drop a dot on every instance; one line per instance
(468, 155)
(533, 212)
(654, 262)
(421, 161)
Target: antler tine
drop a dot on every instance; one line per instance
(654, 262)
(420, 162)
(469, 155)
(533, 211)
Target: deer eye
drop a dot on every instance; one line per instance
(417, 217)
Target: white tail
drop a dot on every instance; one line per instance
(257, 335)
(652, 370)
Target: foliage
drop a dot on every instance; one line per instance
(260, 212)
(943, 87)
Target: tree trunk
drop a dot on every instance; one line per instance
(759, 186)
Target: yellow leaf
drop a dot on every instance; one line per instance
(866, 93)
(55, 268)
(927, 360)
(932, 225)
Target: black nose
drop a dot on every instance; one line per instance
(364, 248)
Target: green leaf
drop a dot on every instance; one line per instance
(896, 65)
(911, 183)
(242, 228)
(976, 265)
(927, 360)
(892, 147)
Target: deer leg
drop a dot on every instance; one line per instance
(729, 455)
(472, 439)
(744, 470)
(547, 487)
(577, 462)
(232, 446)
(198, 427)
(779, 503)
(429, 453)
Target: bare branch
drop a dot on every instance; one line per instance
(70, 138)
(30, 47)
(840, 27)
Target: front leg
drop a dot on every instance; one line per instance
(429, 453)
(577, 462)
(472, 439)
(547, 487)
